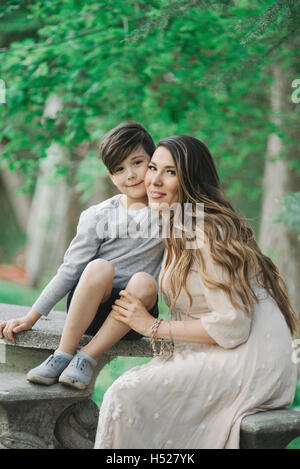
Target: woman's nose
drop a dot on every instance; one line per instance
(156, 178)
(153, 178)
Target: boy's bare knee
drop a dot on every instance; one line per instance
(98, 270)
(143, 279)
(144, 286)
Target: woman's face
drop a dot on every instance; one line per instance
(161, 179)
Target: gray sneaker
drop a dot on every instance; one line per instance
(49, 371)
(79, 372)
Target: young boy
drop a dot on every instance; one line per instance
(101, 260)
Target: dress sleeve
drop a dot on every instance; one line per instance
(228, 325)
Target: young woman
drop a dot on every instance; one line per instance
(231, 322)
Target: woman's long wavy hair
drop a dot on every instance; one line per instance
(231, 242)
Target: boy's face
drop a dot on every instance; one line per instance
(129, 176)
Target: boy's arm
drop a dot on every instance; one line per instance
(82, 250)
(32, 317)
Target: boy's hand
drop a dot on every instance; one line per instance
(13, 326)
(2, 326)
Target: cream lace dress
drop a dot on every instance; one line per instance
(197, 398)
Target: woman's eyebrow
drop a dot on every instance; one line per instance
(168, 166)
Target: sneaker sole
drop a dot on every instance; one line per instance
(72, 382)
(41, 379)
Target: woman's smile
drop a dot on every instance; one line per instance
(155, 194)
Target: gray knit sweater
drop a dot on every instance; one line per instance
(129, 239)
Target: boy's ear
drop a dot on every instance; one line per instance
(111, 176)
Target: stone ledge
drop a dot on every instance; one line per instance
(272, 421)
(271, 429)
(46, 333)
(14, 387)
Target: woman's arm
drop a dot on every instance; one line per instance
(133, 313)
(185, 331)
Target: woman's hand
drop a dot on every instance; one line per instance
(131, 311)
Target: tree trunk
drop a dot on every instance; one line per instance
(274, 239)
(49, 219)
(12, 181)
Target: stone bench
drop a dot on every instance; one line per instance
(40, 417)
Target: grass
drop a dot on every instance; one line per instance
(112, 371)
(17, 294)
(295, 444)
(13, 293)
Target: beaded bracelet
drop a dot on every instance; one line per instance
(171, 345)
(154, 328)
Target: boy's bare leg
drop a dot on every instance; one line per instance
(112, 330)
(94, 287)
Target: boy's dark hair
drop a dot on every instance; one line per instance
(119, 142)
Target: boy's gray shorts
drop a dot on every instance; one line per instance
(104, 310)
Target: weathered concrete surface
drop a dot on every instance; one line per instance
(14, 387)
(37, 416)
(76, 427)
(46, 333)
(29, 412)
(273, 429)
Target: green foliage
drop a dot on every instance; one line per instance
(191, 67)
(88, 172)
